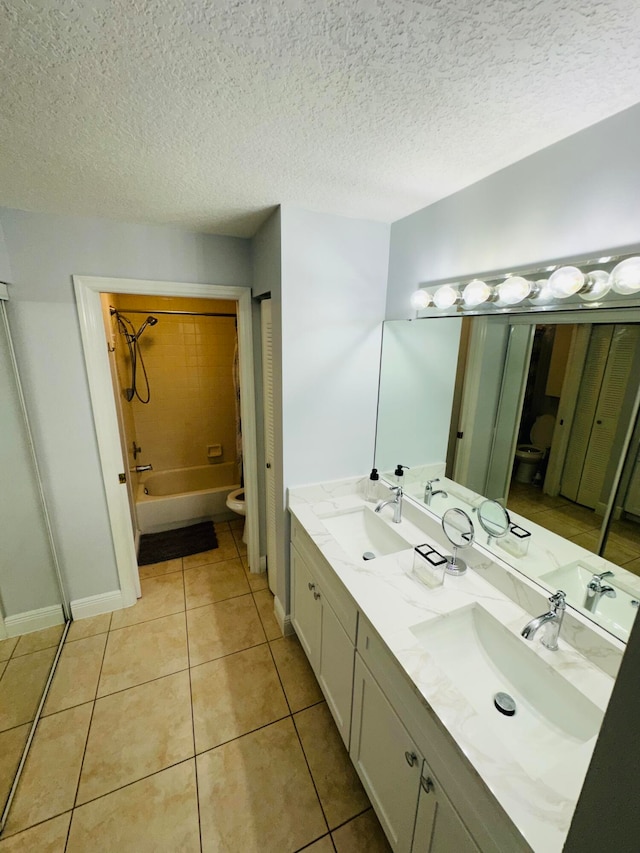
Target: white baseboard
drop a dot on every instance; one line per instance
(95, 605)
(284, 620)
(34, 620)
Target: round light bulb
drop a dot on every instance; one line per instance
(597, 285)
(541, 293)
(476, 292)
(625, 278)
(565, 282)
(445, 297)
(420, 299)
(513, 290)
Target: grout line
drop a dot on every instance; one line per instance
(313, 781)
(193, 720)
(345, 822)
(140, 683)
(286, 698)
(88, 637)
(144, 621)
(129, 784)
(228, 654)
(84, 752)
(315, 840)
(244, 734)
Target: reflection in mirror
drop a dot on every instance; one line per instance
(32, 608)
(539, 412)
(458, 528)
(494, 520)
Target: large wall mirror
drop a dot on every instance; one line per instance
(538, 411)
(33, 611)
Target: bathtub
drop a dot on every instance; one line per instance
(183, 496)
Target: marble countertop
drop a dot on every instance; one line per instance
(540, 797)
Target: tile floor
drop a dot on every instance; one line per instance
(578, 524)
(188, 723)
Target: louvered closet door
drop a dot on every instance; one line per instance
(586, 405)
(615, 383)
(269, 440)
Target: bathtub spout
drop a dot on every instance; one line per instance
(140, 468)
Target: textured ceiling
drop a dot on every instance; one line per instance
(207, 114)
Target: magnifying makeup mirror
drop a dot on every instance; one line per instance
(494, 520)
(459, 530)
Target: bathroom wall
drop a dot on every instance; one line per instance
(45, 250)
(574, 198)
(189, 364)
(334, 273)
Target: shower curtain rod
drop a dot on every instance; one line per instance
(192, 313)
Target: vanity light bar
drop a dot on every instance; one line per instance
(511, 290)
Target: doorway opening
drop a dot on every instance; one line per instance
(190, 430)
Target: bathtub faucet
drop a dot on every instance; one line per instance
(140, 468)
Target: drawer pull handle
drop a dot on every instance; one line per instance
(427, 784)
(412, 758)
(311, 585)
(316, 595)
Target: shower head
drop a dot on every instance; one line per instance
(150, 321)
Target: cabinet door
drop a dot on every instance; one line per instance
(438, 826)
(306, 610)
(387, 760)
(336, 670)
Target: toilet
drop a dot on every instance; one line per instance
(529, 456)
(235, 502)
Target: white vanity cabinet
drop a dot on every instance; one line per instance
(325, 619)
(413, 809)
(426, 797)
(438, 827)
(386, 758)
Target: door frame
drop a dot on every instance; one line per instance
(88, 290)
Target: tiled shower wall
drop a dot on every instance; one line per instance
(189, 362)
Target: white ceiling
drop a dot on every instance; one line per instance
(206, 114)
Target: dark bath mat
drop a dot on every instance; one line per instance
(171, 544)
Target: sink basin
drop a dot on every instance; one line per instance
(614, 614)
(482, 658)
(362, 531)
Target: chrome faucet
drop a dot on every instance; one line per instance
(140, 468)
(551, 620)
(429, 493)
(596, 589)
(396, 501)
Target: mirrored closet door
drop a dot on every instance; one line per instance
(33, 610)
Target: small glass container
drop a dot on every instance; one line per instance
(516, 542)
(429, 565)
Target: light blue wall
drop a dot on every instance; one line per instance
(574, 198)
(45, 251)
(334, 276)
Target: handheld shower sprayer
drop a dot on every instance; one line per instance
(150, 321)
(131, 337)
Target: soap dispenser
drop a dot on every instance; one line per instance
(399, 474)
(371, 486)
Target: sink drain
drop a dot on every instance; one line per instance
(368, 555)
(505, 704)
